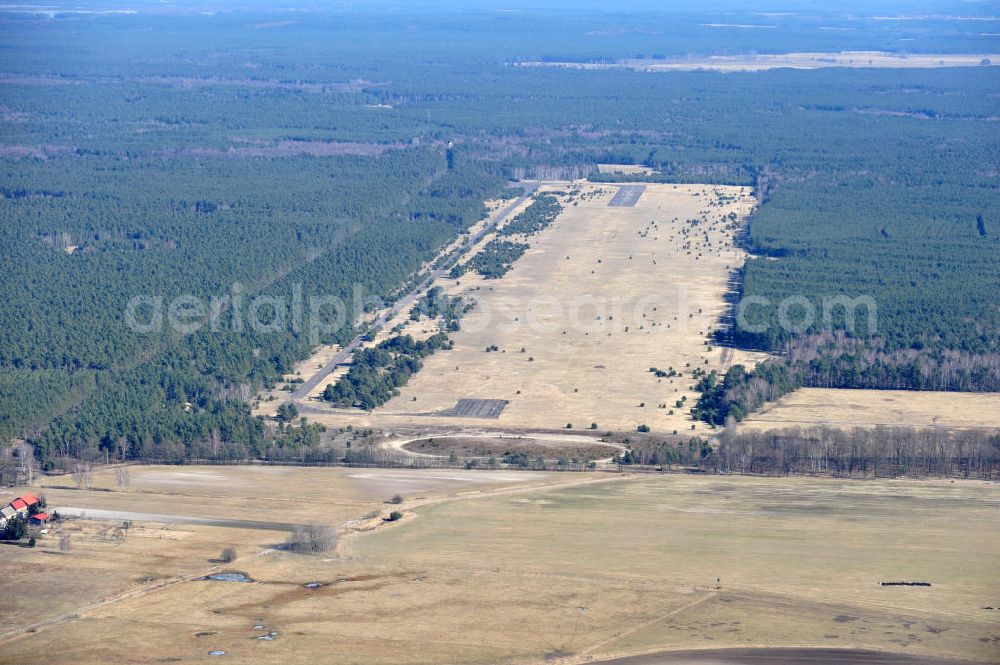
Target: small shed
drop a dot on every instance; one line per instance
(39, 519)
(6, 513)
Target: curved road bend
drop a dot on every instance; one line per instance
(411, 297)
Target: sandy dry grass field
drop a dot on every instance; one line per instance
(44, 583)
(811, 407)
(602, 295)
(761, 62)
(607, 567)
(319, 495)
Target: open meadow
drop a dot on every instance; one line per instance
(602, 566)
(182, 518)
(831, 407)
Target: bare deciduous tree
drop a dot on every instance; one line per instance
(65, 544)
(122, 478)
(8, 466)
(81, 473)
(27, 464)
(123, 446)
(321, 538)
(312, 539)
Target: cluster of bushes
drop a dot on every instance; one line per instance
(376, 373)
(654, 452)
(741, 392)
(312, 539)
(535, 217)
(16, 528)
(494, 260)
(436, 303)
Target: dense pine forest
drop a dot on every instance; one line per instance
(215, 156)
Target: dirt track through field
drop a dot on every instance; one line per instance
(127, 515)
(791, 656)
(585, 654)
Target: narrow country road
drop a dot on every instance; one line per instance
(406, 301)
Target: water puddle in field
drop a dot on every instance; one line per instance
(268, 637)
(228, 577)
(314, 585)
(218, 652)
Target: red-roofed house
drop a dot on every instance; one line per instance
(38, 518)
(30, 499)
(19, 506)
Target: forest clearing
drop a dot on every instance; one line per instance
(569, 337)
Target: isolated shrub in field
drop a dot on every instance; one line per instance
(321, 538)
(228, 555)
(312, 539)
(643, 428)
(393, 516)
(397, 499)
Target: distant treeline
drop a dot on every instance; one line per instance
(881, 452)
(840, 362)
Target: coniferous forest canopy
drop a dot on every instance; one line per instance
(177, 152)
